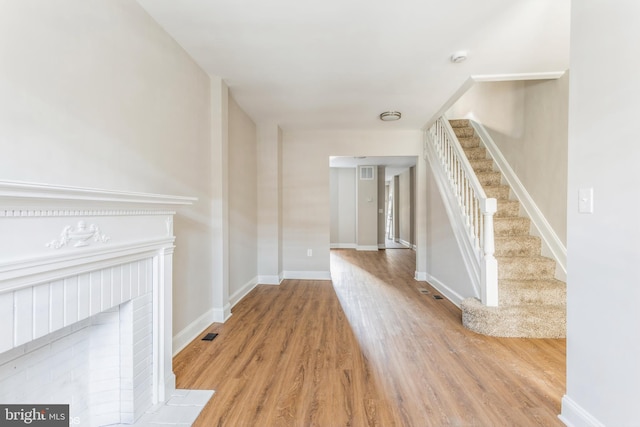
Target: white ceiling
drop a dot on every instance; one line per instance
(337, 64)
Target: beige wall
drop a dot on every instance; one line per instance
(528, 120)
(306, 190)
(96, 94)
(269, 175)
(404, 214)
(445, 265)
(343, 207)
(367, 210)
(396, 208)
(381, 205)
(243, 202)
(334, 194)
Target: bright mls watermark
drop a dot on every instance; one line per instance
(34, 415)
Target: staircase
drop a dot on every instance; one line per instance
(532, 303)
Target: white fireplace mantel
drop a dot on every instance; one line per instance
(67, 254)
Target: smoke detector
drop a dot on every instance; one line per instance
(459, 56)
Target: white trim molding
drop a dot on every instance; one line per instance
(420, 276)
(547, 75)
(367, 247)
(192, 331)
(552, 246)
(573, 415)
(270, 280)
(243, 291)
(405, 243)
(29, 191)
(221, 314)
(446, 291)
(343, 246)
(308, 275)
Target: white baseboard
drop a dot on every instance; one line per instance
(367, 247)
(420, 276)
(552, 246)
(405, 243)
(243, 291)
(308, 275)
(269, 280)
(191, 332)
(446, 291)
(382, 246)
(343, 246)
(222, 314)
(573, 415)
(214, 315)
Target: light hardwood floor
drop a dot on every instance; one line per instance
(368, 349)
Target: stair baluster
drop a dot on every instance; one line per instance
(476, 208)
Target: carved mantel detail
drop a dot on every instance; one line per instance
(81, 235)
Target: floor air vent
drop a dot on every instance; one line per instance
(424, 291)
(209, 337)
(437, 297)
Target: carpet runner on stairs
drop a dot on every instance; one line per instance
(532, 303)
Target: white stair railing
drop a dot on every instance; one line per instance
(476, 209)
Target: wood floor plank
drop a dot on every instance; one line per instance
(367, 349)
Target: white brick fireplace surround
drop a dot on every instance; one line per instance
(85, 303)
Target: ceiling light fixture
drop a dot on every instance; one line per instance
(390, 116)
(459, 56)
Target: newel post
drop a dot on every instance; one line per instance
(489, 264)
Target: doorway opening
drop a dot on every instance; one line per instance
(373, 202)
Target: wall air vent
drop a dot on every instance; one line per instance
(366, 172)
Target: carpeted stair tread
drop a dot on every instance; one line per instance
(462, 132)
(516, 321)
(525, 268)
(469, 142)
(524, 245)
(511, 226)
(475, 153)
(497, 191)
(527, 292)
(489, 178)
(459, 123)
(480, 165)
(532, 303)
(508, 208)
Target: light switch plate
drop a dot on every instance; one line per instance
(585, 200)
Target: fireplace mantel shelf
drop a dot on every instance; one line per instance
(14, 191)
